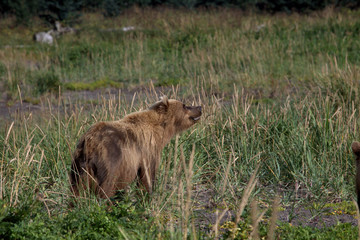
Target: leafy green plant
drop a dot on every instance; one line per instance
(46, 82)
(11, 216)
(340, 231)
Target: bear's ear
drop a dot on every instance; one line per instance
(165, 100)
(356, 148)
(161, 106)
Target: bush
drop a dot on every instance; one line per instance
(113, 8)
(23, 9)
(46, 82)
(11, 216)
(55, 10)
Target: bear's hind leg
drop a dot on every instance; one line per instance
(145, 179)
(106, 190)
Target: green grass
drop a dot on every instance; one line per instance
(287, 51)
(78, 86)
(285, 97)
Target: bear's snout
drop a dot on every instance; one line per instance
(195, 113)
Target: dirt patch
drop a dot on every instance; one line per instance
(302, 216)
(9, 112)
(207, 213)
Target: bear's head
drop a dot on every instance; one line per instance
(356, 150)
(176, 115)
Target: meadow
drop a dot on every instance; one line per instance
(281, 103)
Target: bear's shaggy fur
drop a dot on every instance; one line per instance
(110, 155)
(356, 150)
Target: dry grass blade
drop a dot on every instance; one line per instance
(161, 197)
(167, 169)
(189, 175)
(175, 172)
(254, 212)
(180, 202)
(6, 148)
(273, 219)
(8, 133)
(218, 219)
(226, 176)
(247, 192)
(193, 229)
(256, 220)
(245, 198)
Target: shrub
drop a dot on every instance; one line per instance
(23, 9)
(46, 82)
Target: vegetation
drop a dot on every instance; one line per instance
(280, 96)
(69, 10)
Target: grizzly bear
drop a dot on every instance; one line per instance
(111, 155)
(356, 150)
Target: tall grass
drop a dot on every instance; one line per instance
(304, 141)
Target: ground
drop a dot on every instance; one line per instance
(295, 213)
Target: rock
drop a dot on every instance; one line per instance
(129, 28)
(43, 37)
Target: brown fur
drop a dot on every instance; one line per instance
(110, 155)
(356, 150)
